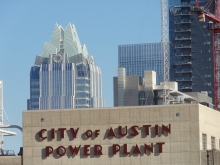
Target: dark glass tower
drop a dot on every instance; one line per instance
(136, 58)
(191, 48)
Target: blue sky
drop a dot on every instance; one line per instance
(101, 24)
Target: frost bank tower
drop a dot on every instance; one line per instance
(65, 76)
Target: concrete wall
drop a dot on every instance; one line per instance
(171, 84)
(115, 91)
(182, 144)
(214, 157)
(131, 91)
(209, 122)
(150, 79)
(200, 97)
(127, 88)
(11, 160)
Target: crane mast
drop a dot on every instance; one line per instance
(214, 26)
(165, 50)
(1, 113)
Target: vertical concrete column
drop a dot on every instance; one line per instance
(149, 79)
(121, 86)
(149, 84)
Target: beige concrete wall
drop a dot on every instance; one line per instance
(214, 158)
(131, 91)
(10, 160)
(209, 123)
(150, 79)
(181, 147)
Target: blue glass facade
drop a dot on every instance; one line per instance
(64, 76)
(136, 58)
(57, 86)
(33, 103)
(191, 48)
(83, 92)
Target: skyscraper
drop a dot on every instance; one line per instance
(136, 58)
(65, 75)
(191, 48)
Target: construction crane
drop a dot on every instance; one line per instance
(214, 26)
(3, 132)
(165, 50)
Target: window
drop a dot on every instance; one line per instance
(206, 84)
(201, 43)
(202, 67)
(206, 75)
(204, 141)
(200, 34)
(213, 142)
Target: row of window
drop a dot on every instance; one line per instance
(56, 102)
(82, 94)
(204, 142)
(82, 101)
(199, 26)
(34, 82)
(203, 76)
(175, 2)
(202, 84)
(201, 35)
(57, 66)
(35, 89)
(202, 67)
(82, 81)
(201, 51)
(201, 43)
(201, 59)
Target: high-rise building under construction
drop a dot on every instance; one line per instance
(191, 55)
(65, 76)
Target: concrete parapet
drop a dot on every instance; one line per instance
(11, 160)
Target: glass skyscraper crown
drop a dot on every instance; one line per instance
(65, 76)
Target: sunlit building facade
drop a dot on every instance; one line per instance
(136, 58)
(65, 76)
